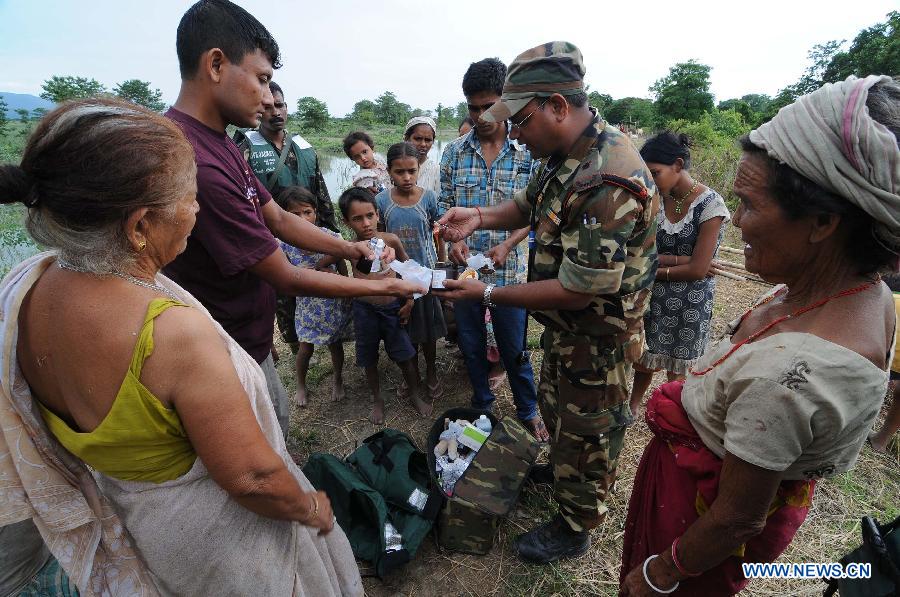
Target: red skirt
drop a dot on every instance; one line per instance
(676, 481)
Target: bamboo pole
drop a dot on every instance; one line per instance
(726, 274)
(731, 250)
(731, 265)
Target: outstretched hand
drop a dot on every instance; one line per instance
(362, 250)
(463, 290)
(402, 289)
(458, 223)
(498, 254)
(459, 252)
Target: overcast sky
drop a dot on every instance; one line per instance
(342, 51)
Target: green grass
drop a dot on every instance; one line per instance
(15, 244)
(319, 368)
(384, 135)
(850, 486)
(305, 442)
(859, 491)
(12, 140)
(552, 579)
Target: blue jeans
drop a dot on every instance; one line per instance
(509, 329)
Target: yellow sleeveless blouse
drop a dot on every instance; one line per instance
(140, 439)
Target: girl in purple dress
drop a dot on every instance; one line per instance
(318, 321)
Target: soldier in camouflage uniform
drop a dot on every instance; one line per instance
(592, 208)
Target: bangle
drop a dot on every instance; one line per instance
(653, 586)
(676, 260)
(678, 565)
(480, 219)
(315, 509)
(667, 273)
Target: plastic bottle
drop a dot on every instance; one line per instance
(377, 246)
(484, 424)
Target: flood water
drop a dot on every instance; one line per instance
(338, 169)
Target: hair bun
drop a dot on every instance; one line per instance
(15, 185)
(684, 140)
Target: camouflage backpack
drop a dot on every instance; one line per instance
(489, 488)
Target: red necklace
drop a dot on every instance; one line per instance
(767, 327)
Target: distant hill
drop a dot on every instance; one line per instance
(14, 101)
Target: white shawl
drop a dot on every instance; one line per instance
(183, 537)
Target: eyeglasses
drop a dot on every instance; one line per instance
(521, 124)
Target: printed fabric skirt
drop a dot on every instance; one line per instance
(676, 481)
(322, 321)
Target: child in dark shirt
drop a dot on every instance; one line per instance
(377, 318)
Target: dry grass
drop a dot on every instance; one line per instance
(830, 530)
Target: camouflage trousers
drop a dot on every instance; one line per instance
(583, 397)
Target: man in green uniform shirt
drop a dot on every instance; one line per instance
(592, 209)
(280, 160)
(299, 165)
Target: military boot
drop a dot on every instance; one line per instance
(552, 541)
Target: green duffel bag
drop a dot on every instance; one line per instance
(489, 488)
(390, 463)
(379, 531)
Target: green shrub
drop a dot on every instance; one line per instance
(715, 152)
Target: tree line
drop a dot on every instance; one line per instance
(682, 96)
(63, 88)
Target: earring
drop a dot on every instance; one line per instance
(142, 245)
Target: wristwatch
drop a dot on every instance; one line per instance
(486, 301)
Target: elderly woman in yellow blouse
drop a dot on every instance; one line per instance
(193, 491)
(790, 394)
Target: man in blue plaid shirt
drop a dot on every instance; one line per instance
(484, 167)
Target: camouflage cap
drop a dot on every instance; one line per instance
(553, 67)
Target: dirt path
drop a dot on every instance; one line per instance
(831, 529)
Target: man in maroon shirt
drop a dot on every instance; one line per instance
(233, 263)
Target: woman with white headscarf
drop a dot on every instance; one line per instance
(789, 395)
(421, 131)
